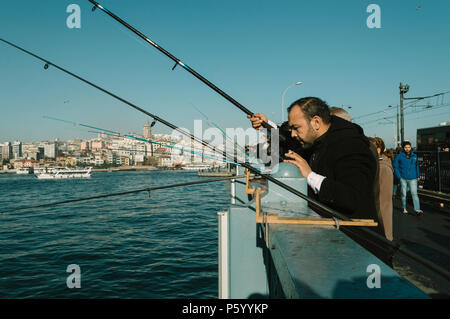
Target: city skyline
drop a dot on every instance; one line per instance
(252, 50)
(114, 149)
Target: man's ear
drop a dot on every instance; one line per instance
(316, 122)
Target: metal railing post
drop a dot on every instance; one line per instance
(438, 159)
(223, 255)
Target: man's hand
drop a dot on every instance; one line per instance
(298, 161)
(257, 120)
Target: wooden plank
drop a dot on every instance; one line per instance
(274, 219)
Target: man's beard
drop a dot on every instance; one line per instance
(305, 145)
(312, 134)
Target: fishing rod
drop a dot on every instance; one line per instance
(314, 202)
(148, 189)
(178, 62)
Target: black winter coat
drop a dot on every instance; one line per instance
(343, 156)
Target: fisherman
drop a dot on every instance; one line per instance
(340, 112)
(341, 169)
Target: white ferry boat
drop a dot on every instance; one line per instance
(23, 170)
(40, 170)
(64, 173)
(196, 166)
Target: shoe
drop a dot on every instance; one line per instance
(419, 212)
(405, 211)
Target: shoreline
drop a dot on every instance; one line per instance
(113, 169)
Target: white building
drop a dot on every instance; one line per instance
(98, 160)
(50, 150)
(85, 160)
(17, 149)
(165, 161)
(6, 151)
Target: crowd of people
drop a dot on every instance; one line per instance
(352, 173)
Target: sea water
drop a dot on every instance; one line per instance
(131, 246)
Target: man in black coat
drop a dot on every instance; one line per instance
(341, 168)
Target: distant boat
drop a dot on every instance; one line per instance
(40, 169)
(196, 166)
(23, 171)
(63, 173)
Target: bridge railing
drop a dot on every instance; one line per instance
(434, 170)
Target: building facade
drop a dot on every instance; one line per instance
(6, 151)
(17, 150)
(50, 150)
(147, 130)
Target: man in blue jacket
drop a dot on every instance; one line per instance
(406, 168)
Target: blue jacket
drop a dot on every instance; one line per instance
(406, 168)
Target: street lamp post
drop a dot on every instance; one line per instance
(403, 89)
(282, 99)
(393, 125)
(397, 140)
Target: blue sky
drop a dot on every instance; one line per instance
(251, 49)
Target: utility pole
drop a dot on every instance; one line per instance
(403, 89)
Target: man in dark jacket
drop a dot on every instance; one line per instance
(341, 169)
(406, 169)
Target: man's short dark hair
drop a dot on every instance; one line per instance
(404, 143)
(312, 106)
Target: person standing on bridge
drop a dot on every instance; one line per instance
(386, 184)
(406, 168)
(398, 150)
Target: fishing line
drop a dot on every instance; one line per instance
(220, 129)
